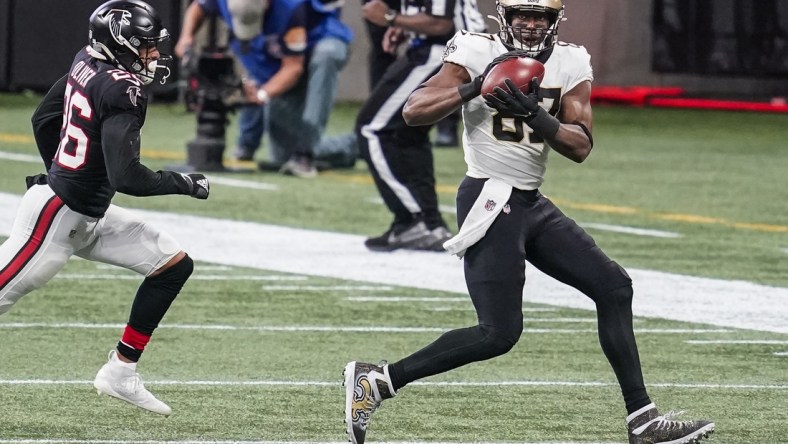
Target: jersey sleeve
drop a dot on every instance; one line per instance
(210, 7)
(47, 120)
(120, 96)
(122, 113)
(294, 38)
(120, 141)
(579, 67)
(472, 50)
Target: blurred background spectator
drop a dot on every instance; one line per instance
(708, 48)
(292, 51)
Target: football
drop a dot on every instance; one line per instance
(519, 69)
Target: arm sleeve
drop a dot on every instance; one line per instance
(298, 19)
(209, 7)
(47, 121)
(120, 139)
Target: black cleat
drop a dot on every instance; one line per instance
(647, 426)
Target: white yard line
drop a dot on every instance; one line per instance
(406, 299)
(197, 267)
(717, 302)
(336, 328)
(630, 230)
(19, 157)
(325, 288)
(114, 441)
(450, 209)
(215, 180)
(237, 183)
(195, 277)
(739, 342)
(461, 384)
(470, 308)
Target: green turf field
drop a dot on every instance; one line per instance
(243, 358)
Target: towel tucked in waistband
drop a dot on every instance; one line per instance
(495, 194)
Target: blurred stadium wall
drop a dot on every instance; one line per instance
(716, 48)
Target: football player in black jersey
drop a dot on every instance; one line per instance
(87, 130)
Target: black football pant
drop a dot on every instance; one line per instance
(537, 231)
(378, 61)
(400, 156)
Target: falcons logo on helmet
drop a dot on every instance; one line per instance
(117, 19)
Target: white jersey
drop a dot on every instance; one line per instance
(506, 148)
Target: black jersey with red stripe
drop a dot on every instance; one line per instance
(98, 152)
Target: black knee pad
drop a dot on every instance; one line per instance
(621, 296)
(177, 275)
(611, 278)
(498, 342)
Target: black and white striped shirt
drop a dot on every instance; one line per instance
(464, 13)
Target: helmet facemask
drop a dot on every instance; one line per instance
(532, 41)
(148, 67)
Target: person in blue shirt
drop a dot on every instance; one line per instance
(275, 40)
(327, 54)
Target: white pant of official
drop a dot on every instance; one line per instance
(46, 233)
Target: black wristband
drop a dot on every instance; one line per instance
(471, 90)
(543, 124)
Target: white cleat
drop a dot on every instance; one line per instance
(121, 380)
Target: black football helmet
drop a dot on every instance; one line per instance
(513, 36)
(120, 28)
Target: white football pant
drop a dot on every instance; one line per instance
(46, 233)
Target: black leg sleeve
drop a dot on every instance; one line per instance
(155, 295)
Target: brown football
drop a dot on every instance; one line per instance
(519, 69)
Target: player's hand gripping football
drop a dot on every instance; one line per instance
(514, 103)
(473, 89)
(198, 185)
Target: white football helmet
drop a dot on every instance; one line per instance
(515, 36)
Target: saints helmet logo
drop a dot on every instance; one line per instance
(134, 92)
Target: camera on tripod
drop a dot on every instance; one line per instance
(213, 91)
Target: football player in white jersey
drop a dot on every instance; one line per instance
(505, 221)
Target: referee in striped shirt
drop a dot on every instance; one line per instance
(400, 156)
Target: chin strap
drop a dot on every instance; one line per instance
(96, 54)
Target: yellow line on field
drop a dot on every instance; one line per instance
(153, 154)
(365, 179)
(597, 208)
(16, 138)
(689, 218)
(162, 155)
(759, 227)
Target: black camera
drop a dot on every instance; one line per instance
(213, 90)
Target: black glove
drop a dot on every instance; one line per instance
(38, 179)
(198, 185)
(471, 90)
(513, 103)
